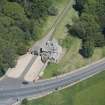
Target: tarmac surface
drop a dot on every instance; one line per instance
(19, 92)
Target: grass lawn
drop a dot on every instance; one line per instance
(88, 92)
(72, 59)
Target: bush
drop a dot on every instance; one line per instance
(53, 11)
(87, 49)
(2, 72)
(24, 102)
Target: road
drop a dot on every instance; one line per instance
(42, 86)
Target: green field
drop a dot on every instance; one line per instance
(88, 92)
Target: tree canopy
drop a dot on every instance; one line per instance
(90, 27)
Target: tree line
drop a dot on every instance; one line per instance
(90, 27)
(20, 22)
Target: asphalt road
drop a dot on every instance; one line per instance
(52, 84)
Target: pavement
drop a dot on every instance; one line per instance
(35, 70)
(22, 63)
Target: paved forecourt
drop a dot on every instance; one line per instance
(35, 70)
(22, 63)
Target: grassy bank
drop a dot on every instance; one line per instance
(89, 92)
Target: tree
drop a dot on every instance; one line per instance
(52, 11)
(9, 56)
(85, 27)
(87, 49)
(24, 102)
(99, 40)
(14, 10)
(79, 29)
(79, 6)
(40, 8)
(88, 29)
